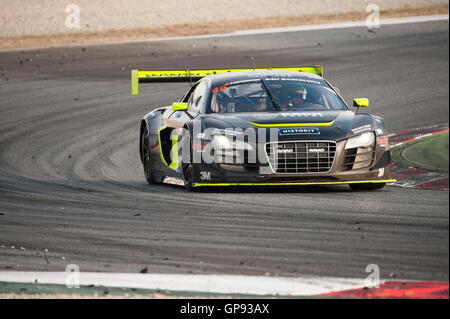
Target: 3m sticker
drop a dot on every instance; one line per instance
(205, 176)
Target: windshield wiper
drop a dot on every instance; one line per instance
(274, 102)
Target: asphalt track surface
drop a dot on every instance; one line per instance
(72, 189)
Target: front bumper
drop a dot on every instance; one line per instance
(263, 174)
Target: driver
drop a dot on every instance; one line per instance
(219, 103)
(292, 96)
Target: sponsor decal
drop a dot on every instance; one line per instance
(205, 176)
(225, 131)
(316, 150)
(292, 79)
(200, 147)
(301, 114)
(382, 140)
(272, 116)
(361, 129)
(285, 151)
(379, 119)
(298, 131)
(269, 116)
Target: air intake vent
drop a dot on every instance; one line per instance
(355, 158)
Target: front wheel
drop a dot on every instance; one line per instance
(145, 151)
(367, 186)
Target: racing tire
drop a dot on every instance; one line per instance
(188, 167)
(146, 162)
(367, 186)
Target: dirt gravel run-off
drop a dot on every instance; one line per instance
(220, 24)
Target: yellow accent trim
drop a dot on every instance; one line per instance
(160, 148)
(293, 124)
(362, 102)
(134, 82)
(174, 164)
(286, 184)
(179, 106)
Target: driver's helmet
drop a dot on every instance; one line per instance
(293, 95)
(297, 91)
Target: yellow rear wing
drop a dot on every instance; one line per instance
(162, 76)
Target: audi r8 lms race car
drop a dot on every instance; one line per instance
(251, 127)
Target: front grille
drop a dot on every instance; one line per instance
(304, 157)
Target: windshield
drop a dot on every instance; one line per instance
(293, 94)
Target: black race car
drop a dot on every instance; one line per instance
(278, 126)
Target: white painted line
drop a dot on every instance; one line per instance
(342, 25)
(226, 284)
(406, 184)
(423, 128)
(424, 135)
(312, 27)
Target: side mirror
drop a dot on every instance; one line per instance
(362, 102)
(179, 106)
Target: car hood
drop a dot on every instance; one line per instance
(330, 125)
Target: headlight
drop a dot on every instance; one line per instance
(363, 140)
(226, 142)
(222, 142)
